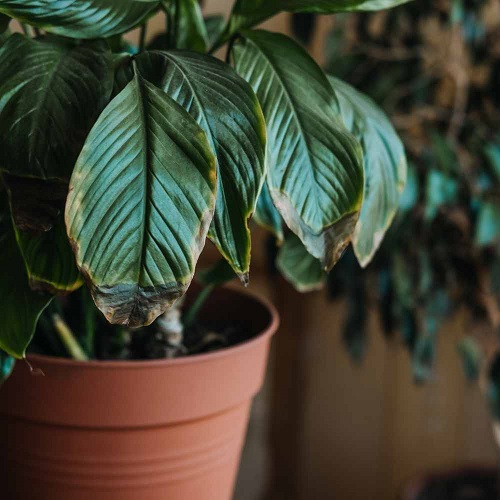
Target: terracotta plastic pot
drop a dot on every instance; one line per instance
(145, 430)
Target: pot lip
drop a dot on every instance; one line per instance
(186, 360)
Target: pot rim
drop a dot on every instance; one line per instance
(267, 332)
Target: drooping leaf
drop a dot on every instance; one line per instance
(142, 197)
(298, 266)
(20, 307)
(385, 167)
(488, 224)
(221, 272)
(52, 92)
(6, 366)
(81, 18)
(441, 189)
(227, 110)
(315, 165)
(49, 260)
(35, 203)
(189, 30)
(248, 13)
(267, 215)
(409, 196)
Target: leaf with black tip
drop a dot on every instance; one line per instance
(228, 111)
(52, 92)
(49, 260)
(141, 199)
(298, 266)
(385, 167)
(315, 164)
(81, 18)
(20, 307)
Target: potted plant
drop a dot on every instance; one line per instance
(117, 163)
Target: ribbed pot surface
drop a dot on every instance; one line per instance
(145, 430)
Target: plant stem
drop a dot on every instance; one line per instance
(142, 37)
(191, 314)
(68, 339)
(26, 29)
(89, 322)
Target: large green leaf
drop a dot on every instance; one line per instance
(52, 91)
(248, 13)
(141, 200)
(49, 260)
(298, 266)
(385, 167)
(20, 307)
(81, 18)
(228, 111)
(315, 165)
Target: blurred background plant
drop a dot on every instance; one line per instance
(434, 67)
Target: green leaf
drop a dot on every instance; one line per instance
(52, 91)
(215, 26)
(298, 266)
(221, 272)
(49, 260)
(472, 357)
(188, 26)
(441, 189)
(81, 18)
(226, 108)
(315, 165)
(20, 306)
(6, 366)
(488, 224)
(385, 167)
(248, 13)
(141, 200)
(267, 215)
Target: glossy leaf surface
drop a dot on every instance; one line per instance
(141, 200)
(385, 167)
(315, 165)
(81, 18)
(52, 92)
(227, 110)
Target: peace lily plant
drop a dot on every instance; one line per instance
(118, 162)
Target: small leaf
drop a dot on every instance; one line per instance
(214, 26)
(472, 357)
(226, 108)
(217, 275)
(52, 92)
(315, 165)
(298, 266)
(384, 163)
(267, 215)
(441, 189)
(20, 307)
(190, 30)
(6, 366)
(488, 224)
(49, 260)
(247, 13)
(141, 199)
(81, 18)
